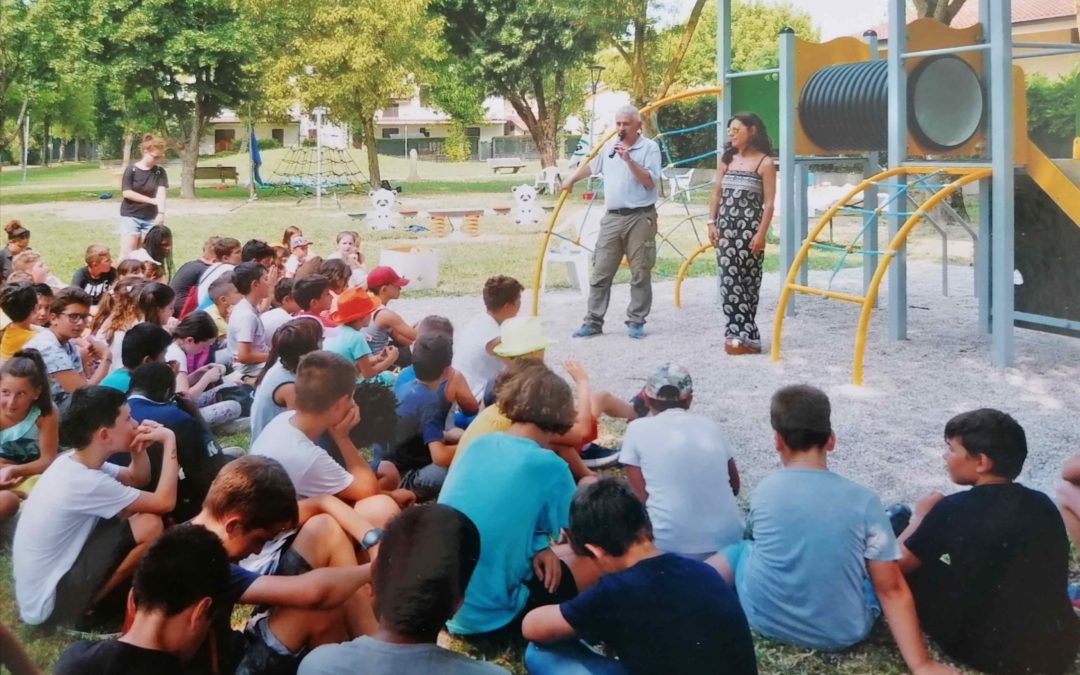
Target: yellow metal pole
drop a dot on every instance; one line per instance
(804, 250)
(969, 176)
(683, 269)
(546, 239)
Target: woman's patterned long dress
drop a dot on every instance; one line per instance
(740, 270)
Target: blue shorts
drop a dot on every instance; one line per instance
(133, 225)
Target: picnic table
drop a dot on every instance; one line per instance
(513, 164)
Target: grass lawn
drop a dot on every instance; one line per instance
(60, 206)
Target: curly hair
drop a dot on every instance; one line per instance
(378, 415)
(119, 310)
(538, 397)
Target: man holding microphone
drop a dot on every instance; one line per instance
(631, 168)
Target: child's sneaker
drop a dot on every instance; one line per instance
(595, 456)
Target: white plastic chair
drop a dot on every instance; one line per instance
(679, 183)
(548, 179)
(583, 226)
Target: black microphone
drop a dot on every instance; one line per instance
(622, 135)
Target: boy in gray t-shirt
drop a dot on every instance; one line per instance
(426, 559)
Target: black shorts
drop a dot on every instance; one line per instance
(538, 597)
(290, 563)
(109, 543)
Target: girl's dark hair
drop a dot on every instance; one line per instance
(154, 296)
(336, 270)
(198, 326)
(378, 423)
(759, 139)
(290, 343)
(129, 268)
(154, 243)
(16, 231)
(28, 364)
(18, 301)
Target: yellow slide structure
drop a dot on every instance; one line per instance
(1058, 178)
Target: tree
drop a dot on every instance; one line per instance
(941, 10)
(525, 52)
(754, 29)
(352, 57)
(190, 57)
(452, 89)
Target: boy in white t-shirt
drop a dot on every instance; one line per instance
(85, 525)
(247, 335)
(474, 345)
(680, 465)
(324, 405)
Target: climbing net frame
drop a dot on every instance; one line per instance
(298, 173)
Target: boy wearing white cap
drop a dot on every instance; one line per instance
(680, 464)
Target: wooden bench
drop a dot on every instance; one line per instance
(220, 173)
(512, 164)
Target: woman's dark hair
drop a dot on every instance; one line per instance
(290, 343)
(129, 268)
(18, 301)
(28, 364)
(153, 297)
(16, 231)
(155, 244)
(198, 326)
(759, 139)
(336, 270)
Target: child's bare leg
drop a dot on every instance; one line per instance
(378, 509)
(581, 473)
(388, 475)
(585, 570)
(9, 503)
(606, 403)
(297, 628)
(145, 528)
(1068, 499)
(322, 543)
(128, 243)
(13, 656)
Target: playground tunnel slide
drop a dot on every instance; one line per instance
(1047, 242)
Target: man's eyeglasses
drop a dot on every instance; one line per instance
(76, 316)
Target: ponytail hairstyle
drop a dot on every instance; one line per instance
(16, 231)
(337, 271)
(291, 342)
(119, 308)
(158, 243)
(28, 364)
(154, 297)
(152, 142)
(759, 137)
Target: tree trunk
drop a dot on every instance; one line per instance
(189, 151)
(46, 146)
(76, 148)
(125, 151)
(374, 175)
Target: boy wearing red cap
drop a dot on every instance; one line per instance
(354, 312)
(387, 327)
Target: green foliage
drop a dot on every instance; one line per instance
(754, 27)
(457, 145)
(1054, 112)
(681, 147)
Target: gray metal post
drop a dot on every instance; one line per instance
(723, 67)
(1002, 261)
(870, 195)
(802, 213)
(982, 244)
(789, 243)
(897, 156)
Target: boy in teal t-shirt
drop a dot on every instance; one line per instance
(354, 310)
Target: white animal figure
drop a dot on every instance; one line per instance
(526, 211)
(384, 217)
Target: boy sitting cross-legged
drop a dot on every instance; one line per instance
(324, 405)
(246, 334)
(989, 566)
(821, 545)
(426, 559)
(85, 525)
(659, 612)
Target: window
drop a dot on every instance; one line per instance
(391, 110)
(278, 135)
(472, 132)
(390, 132)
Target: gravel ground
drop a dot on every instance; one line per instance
(890, 430)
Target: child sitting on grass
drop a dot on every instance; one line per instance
(659, 612)
(247, 335)
(85, 525)
(284, 310)
(354, 312)
(144, 343)
(822, 565)
(98, 275)
(680, 465)
(518, 493)
(989, 566)
(275, 390)
(19, 302)
(28, 427)
(387, 328)
(312, 296)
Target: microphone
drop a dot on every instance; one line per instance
(622, 135)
